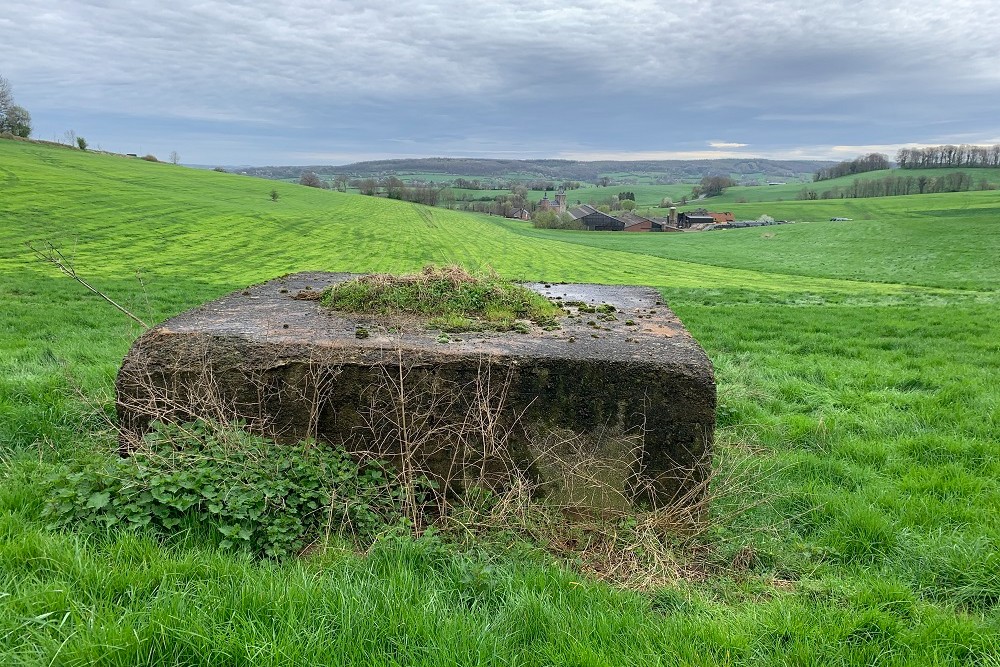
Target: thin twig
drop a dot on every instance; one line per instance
(53, 256)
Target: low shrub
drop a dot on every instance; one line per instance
(271, 499)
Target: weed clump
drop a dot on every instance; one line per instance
(249, 492)
(450, 297)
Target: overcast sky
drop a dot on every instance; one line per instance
(327, 81)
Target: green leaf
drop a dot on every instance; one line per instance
(98, 500)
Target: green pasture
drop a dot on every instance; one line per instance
(856, 518)
(936, 240)
(790, 191)
(645, 195)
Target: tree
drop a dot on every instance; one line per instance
(549, 219)
(628, 204)
(274, 195)
(368, 186)
(17, 121)
(712, 186)
(6, 96)
(82, 143)
(174, 157)
(394, 187)
(310, 179)
(13, 118)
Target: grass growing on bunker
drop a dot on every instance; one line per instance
(451, 298)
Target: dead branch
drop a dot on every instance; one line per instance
(51, 255)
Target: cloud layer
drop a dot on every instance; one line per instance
(279, 81)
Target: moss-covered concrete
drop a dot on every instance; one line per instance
(616, 404)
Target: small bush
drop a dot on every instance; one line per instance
(548, 219)
(253, 493)
(81, 143)
(149, 157)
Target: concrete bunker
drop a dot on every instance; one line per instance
(613, 406)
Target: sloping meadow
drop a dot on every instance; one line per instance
(856, 508)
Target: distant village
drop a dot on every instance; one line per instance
(590, 218)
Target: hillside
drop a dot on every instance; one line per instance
(562, 170)
(791, 191)
(937, 240)
(856, 508)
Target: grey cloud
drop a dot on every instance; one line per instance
(543, 74)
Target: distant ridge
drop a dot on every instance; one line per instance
(577, 170)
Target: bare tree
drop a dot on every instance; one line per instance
(310, 179)
(174, 157)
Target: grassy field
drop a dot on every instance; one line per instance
(857, 367)
(648, 196)
(790, 191)
(935, 240)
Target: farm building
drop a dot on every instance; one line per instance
(685, 220)
(722, 218)
(520, 214)
(664, 225)
(637, 223)
(595, 220)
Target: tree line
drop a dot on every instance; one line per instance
(393, 187)
(870, 162)
(543, 185)
(949, 155)
(891, 186)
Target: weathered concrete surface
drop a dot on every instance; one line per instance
(601, 411)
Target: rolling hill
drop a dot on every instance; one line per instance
(435, 169)
(856, 508)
